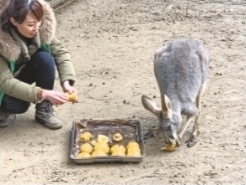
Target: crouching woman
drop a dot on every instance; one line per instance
(29, 56)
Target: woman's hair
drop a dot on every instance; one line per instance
(18, 9)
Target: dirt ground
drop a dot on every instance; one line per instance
(112, 44)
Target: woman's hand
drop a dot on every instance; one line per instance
(68, 88)
(55, 97)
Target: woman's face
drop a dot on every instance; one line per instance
(29, 27)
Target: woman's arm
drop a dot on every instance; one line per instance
(63, 61)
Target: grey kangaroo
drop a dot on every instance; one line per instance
(181, 70)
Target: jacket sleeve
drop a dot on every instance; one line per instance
(14, 87)
(63, 61)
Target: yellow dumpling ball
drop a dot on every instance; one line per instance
(120, 153)
(86, 136)
(102, 138)
(134, 154)
(93, 143)
(102, 146)
(73, 97)
(84, 155)
(86, 148)
(118, 147)
(98, 153)
(132, 144)
(117, 137)
(169, 148)
(133, 149)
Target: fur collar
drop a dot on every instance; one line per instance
(12, 46)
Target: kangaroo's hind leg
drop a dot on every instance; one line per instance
(192, 140)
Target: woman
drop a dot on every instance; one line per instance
(29, 54)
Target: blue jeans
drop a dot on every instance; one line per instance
(40, 70)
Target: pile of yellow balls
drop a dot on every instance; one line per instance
(101, 148)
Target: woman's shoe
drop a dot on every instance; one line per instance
(45, 115)
(6, 119)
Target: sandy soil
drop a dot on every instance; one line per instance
(112, 44)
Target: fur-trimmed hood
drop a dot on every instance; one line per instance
(12, 46)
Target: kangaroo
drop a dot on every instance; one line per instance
(181, 69)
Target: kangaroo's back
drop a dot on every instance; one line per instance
(181, 68)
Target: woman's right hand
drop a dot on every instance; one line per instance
(55, 97)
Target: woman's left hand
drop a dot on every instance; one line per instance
(68, 88)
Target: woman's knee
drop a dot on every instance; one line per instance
(22, 108)
(44, 59)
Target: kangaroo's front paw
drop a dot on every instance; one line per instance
(178, 142)
(192, 141)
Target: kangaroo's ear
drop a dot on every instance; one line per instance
(166, 107)
(150, 105)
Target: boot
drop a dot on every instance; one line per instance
(44, 115)
(6, 118)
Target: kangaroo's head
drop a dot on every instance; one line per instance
(168, 125)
